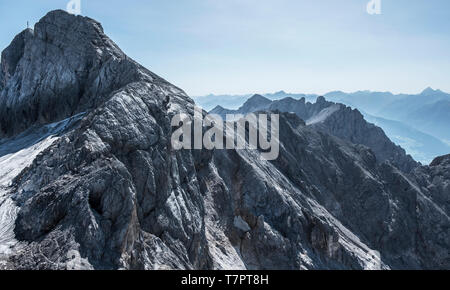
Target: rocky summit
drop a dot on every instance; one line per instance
(89, 179)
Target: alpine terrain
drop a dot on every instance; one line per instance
(89, 178)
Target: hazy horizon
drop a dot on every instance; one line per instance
(242, 47)
(319, 94)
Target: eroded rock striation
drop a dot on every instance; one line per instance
(111, 193)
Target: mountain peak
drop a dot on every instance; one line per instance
(217, 110)
(441, 160)
(218, 107)
(64, 20)
(429, 91)
(256, 101)
(258, 98)
(280, 93)
(66, 65)
(321, 99)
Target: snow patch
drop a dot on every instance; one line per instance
(16, 154)
(323, 115)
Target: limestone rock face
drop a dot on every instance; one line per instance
(434, 207)
(111, 193)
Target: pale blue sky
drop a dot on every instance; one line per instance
(259, 46)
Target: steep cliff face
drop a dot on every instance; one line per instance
(334, 119)
(111, 193)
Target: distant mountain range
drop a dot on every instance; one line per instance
(423, 147)
(419, 123)
(427, 112)
(235, 101)
(334, 119)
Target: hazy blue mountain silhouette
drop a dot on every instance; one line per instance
(427, 112)
(422, 146)
(419, 123)
(235, 101)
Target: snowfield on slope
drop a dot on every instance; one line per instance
(16, 154)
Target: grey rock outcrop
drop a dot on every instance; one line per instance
(111, 193)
